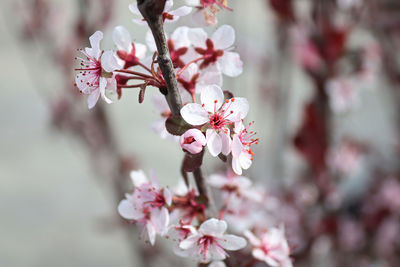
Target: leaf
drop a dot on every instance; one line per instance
(192, 162)
(177, 125)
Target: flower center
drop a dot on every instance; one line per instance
(210, 54)
(218, 120)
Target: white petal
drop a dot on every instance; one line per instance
(217, 264)
(138, 178)
(160, 220)
(252, 238)
(140, 50)
(127, 210)
(212, 98)
(167, 195)
(239, 108)
(223, 37)
(211, 75)
(190, 241)
(217, 180)
(232, 242)
(226, 142)
(213, 227)
(140, 22)
(236, 165)
(109, 62)
(168, 5)
(182, 11)
(180, 37)
(194, 114)
(197, 37)
(214, 142)
(150, 41)
(195, 3)
(245, 160)
(93, 98)
(231, 64)
(102, 88)
(237, 146)
(189, 72)
(95, 43)
(122, 38)
(151, 231)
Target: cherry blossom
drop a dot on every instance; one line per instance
(206, 10)
(158, 126)
(272, 248)
(147, 206)
(96, 75)
(242, 155)
(177, 233)
(193, 141)
(168, 14)
(218, 115)
(194, 80)
(210, 242)
(343, 94)
(216, 50)
(238, 185)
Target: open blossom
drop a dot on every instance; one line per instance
(193, 141)
(129, 53)
(231, 184)
(218, 115)
(272, 248)
(168, 14)
(147, 206)
(206, 10)
(96, 75)
(210, 242)
(242, 155)
(216, 50)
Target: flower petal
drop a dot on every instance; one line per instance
(102, 88)
(134, 9)
(245, 160)
(214, 142)
(180, 37)
(122, 38)
(237, 146)
(194, 114)
(232, 242)
(189, 242)
(151, 231)
(109, 62)
(181, 11)
(138, 178)
(226, 142)
(160, 220)
(197, 37)
(231, 64)
(95, 44)
(236, 166)
(212, 98)
(140, 50)
(223, 37)
(128, 211)
(93, 98)
(213, 227)
(239, 108)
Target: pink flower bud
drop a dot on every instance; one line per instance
(193, 141)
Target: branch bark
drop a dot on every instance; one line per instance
(151, 11)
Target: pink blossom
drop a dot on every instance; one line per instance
(216, 50)
(272, 248)
(242, 155)
(147, 206)
(206, 10)
(96, 75)
(193, 141)
(210, 242)
(168, 14)
(239, 185)
(218, 115)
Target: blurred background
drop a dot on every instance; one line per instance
(322, 78)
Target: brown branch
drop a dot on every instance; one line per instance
(151, 11)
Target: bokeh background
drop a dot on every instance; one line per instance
(58, 207)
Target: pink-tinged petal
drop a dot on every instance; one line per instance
(134, 9)
(109, 62)
(252, 238)
(210, 76)
(102, 88)
(239, 127)
(231, 64)
(168, 5)
(242, 182)
(195, 3)
(237, 146)
(95, 44)
(182, 11)
(180, 37)
(236, 166)
(189, 242)
(194, 114)
(212, 98)
(215, 253)
(168, 196)
(128, 211)
(160, 220)
(214, 142)
(217, 180)
(122, 38)
(193, 148)
(223, 37)
(217, 264)
(93, 98)
(226, 142)
(140, 50)
(140, 22)
(151, 231)
(198, 135)
(213, 227)
(138, 178)
(245, 160)
(260, 255)
(239, 108)
(197, 37)
(189, 72)
(232, 242)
